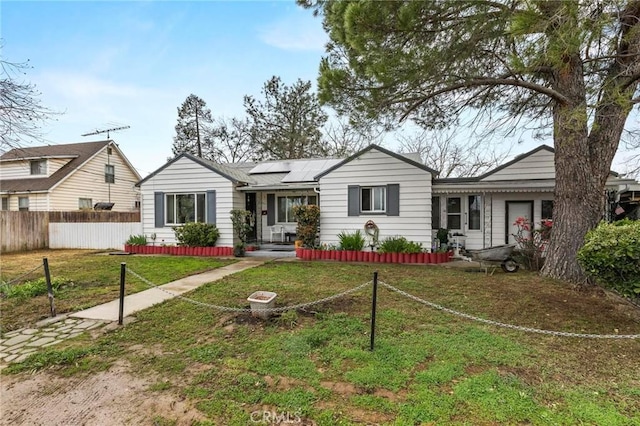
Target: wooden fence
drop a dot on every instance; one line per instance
(22, 231)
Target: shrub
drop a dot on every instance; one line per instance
(399, 245)
(611, 255)
(33, 288)
(532, 243)
(197, 234)
(241, 221)
(137, 240)
(351, 241)
(308, 218)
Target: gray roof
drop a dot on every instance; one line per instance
(78, 152)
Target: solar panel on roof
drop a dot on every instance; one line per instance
(271, 167)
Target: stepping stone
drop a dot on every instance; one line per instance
(17, 339)
(41, 341)
(29, 331)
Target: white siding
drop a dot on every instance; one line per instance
(37, 201)
(89, 182)
(376, 168)
(539, 165)
(54, 164)
(21, 169)
(498, 211)
(17, 170)
(92, 235)
(186, 176)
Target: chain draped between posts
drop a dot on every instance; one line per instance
(17, 279)
(504, 325)
(396, 290)
(232, 309)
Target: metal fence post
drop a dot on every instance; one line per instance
(123, 267)
(373, 309)
(47, 277)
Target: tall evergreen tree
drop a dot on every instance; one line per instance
(193, 117)
(571, 66)
(287, 123)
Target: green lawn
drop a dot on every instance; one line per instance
(90, 278)
(428, 367)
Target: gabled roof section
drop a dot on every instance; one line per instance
(234, 173)
(516, 159)
(384, 151)
(79, 153)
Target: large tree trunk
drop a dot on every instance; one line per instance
(578, 193)
(582, 159)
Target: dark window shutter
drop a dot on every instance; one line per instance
(393, 199)
(271, 209)
(353, 200)
(158, 199)
(211, 207)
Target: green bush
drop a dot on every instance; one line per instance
(351, 241)
(137, 240)
(242, 222)
(197, 234)
(611, 255)
(33, 288)
(399, 245)
(308, 218)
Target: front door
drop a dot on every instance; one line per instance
(516, 209)
(250, 205)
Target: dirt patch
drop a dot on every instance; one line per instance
(110, 397)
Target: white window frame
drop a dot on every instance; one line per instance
(459, 214)
(377, 199)
(198, 197)
(5, 203)
(109, 177)
(480, 205)
(39, 166)
(23, 204)
(289, 207)
(84, 205)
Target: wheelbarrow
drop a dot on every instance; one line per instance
(496, 255)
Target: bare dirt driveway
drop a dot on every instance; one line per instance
(113, 397)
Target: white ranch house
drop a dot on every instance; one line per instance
(401, 195)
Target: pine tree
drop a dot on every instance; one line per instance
(193, 117)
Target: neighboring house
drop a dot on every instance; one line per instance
(68, 177)
(396, 191)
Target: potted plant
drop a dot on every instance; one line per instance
(135, 241)
(241, 221)
(443, 236)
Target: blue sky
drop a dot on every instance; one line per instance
(116, 63)
(106, 64)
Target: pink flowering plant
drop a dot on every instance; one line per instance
(532, 242)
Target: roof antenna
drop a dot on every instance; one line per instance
(97, 132)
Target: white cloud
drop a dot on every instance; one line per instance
(298, 31)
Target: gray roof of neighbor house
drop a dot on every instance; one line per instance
(79, 153)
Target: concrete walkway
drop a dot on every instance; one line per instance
(147, 298)
(17, 345)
